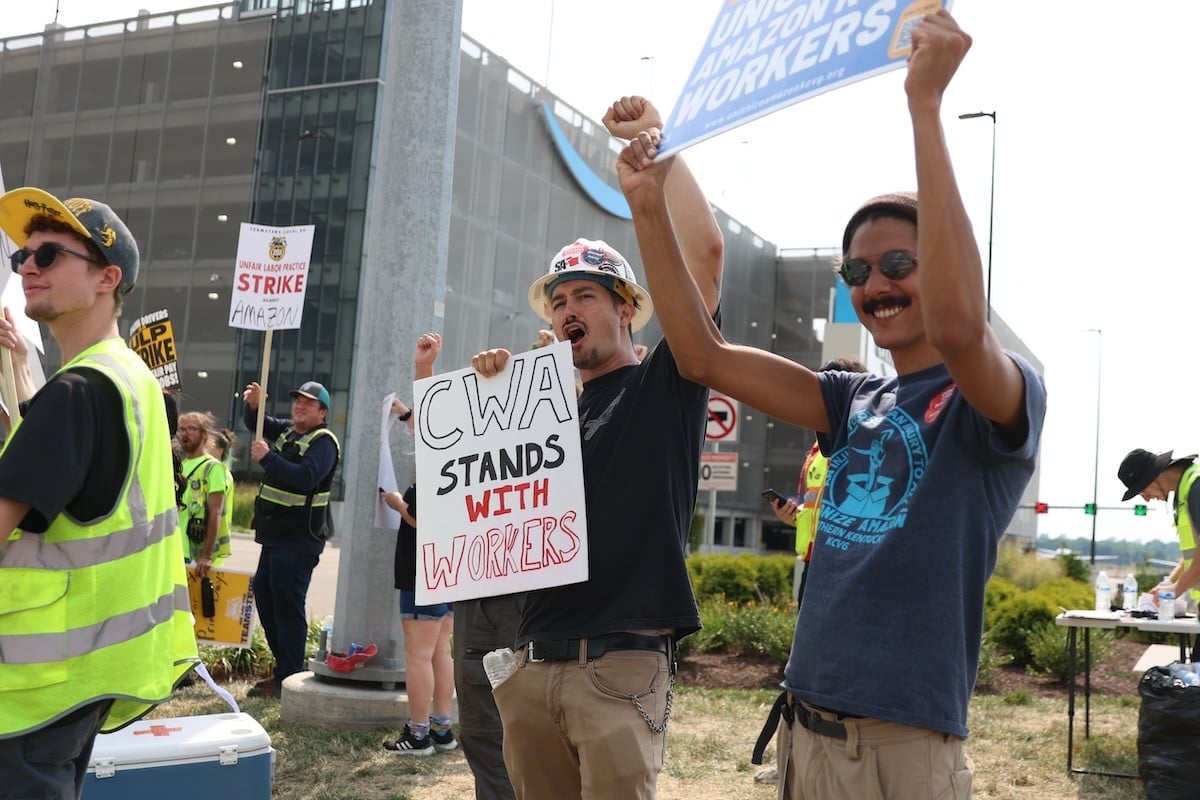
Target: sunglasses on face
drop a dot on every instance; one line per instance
(45, 256)
(894, 264)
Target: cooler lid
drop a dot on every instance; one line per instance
(224, 738)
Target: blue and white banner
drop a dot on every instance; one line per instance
(763, 55)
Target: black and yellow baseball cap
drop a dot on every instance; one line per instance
(91, 219)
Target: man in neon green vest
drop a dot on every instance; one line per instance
(291, 519)
(202, 516)
(95, 625)
(1154, 477)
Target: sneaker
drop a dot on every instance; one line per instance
(409, 745)
(444, 741)
(766, 775)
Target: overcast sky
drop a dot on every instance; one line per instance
(1095, 186)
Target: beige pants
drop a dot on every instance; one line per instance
(572, 729)
(876, 761)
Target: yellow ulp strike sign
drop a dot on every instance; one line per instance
(153, 338)
(232, 620)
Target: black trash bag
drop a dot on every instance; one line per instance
(1168, 736)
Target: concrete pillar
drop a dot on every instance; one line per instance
(401, 295)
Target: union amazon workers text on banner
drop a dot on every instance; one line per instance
(271, 277)
(499, 480)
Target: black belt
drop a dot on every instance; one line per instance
(814, 722)
(569, 649)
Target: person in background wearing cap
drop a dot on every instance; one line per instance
(926, 468)
(1154, 477)
(95, 624)
(600, 732)
(291, 519)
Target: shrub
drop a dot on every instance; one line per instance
(743, 629)
(742, 578)
(1021, 614)
(1048, 649)
(998, 590)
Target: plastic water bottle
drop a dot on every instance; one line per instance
(1129, 593)
(1103, 592)
(1166, 600)
(499, 665)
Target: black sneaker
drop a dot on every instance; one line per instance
(444, 741)
(409, 745)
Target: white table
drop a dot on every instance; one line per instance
(1073, 621)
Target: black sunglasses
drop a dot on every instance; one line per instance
(894, 264)
(45, 256)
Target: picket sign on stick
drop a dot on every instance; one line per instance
(268, 288)
(262, 383)
(11, 401)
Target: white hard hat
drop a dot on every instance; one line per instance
(595, 260)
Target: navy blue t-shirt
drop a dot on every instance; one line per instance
(919, 490)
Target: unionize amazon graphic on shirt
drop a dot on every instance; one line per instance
(871, 479)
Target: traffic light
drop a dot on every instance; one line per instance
(1041, 508)
(1139, 510)
(1089, 508)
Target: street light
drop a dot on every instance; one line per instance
(991, 204)
(1096, 461)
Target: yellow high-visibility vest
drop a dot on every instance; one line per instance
(1183, 520)
(100, 610)
(812, 477)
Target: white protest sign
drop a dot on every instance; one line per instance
(500, 480)
(270, 277)
(385, 515)
(763, 55)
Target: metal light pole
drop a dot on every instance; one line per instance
(1096, 461)
(991, 203)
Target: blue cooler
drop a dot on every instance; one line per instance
(183, 758)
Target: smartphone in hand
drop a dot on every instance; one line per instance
(771, 496)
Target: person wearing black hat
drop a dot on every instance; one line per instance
(926, 467)
(97, 628)
(291, 519)
(1155, 477)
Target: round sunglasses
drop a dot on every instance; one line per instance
(894, 264)
(45, 255)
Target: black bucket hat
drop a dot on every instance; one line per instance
(1140, 467)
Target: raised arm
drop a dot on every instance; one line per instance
(953, 304)
(770, 383)
(692, 217)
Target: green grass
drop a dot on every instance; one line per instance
(1018, 743)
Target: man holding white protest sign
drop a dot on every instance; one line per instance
(291, 519)
(600, 732)
(926, 467)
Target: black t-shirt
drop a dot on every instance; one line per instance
(406, 546)
(71, 451)
(641, 430)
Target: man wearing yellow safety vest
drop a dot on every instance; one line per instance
(1156, 476)
(291, 519)
(95, 624)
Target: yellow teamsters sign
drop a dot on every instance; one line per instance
(232, 620)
